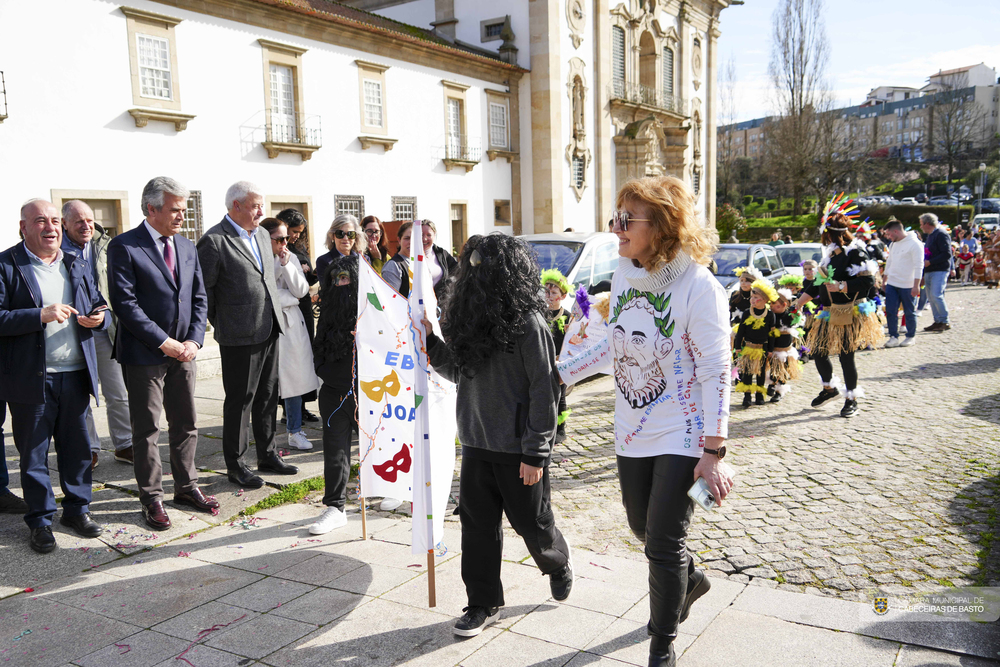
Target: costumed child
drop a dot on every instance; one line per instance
(783, 363)
(753, 342)
(979, 269)
(497, 348)
(849, 321)
(556, 288)
(965, 259)
(739, 302)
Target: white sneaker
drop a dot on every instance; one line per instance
(908, 341)
(299, 440)
(920, 313)
(892, 342)
(331, 519)
(389, 504)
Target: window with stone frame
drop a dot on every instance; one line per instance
(192, 228)
(350, 205)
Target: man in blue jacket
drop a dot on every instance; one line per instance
(155, 286)
(49, 308)
(937, 267)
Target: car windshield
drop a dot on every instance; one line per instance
(793, 255)
(560, 255)
(729, 259)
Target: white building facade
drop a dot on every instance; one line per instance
(126, 93)
(446, 116)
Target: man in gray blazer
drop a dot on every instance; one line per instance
(238, 270)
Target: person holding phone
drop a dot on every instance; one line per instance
(668, 350)
(48, 370)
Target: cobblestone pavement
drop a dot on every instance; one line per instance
(903, 496)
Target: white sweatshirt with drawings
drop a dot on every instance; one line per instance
(668, 347)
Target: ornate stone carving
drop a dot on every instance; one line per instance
(577, 18)
(577, 152)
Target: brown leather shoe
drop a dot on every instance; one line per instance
(197, 500)
(156, 516)
(125, 455)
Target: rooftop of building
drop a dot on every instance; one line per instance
(338, 13)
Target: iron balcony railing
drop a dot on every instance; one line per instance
(635, 93)
(293, 129)
(3, 97)
(460, 147)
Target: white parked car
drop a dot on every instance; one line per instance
(909, 201)
(587, 259)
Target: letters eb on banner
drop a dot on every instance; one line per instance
(386, 397)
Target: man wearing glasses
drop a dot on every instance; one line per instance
(244, 309)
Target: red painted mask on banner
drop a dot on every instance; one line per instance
(397, 464)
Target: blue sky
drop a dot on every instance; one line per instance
(872, 43)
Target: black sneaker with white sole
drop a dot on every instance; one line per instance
(824, 397)
(850, 408)
(475, 620)
(561, 583)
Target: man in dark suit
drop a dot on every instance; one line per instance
(238, 268)
(155, 286)
(49, 308)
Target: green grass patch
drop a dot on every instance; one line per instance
(290, 494)
(790, 221)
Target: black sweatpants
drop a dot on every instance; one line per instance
(847, 365)
(487, 488)
(654, 492)
(337, 411)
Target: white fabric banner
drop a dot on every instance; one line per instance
(386, 404)
(406, 411)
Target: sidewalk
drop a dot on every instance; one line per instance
(231, 590)
(269, 593)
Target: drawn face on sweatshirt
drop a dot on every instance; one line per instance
(639, 346)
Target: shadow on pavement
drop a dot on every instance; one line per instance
(974, 508)
(957, 369)
(986, 408)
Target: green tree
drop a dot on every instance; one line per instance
(729, 221)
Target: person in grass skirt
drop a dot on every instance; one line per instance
(556, 288)
(783, 364)
(753, 342)
(739, 302)
(849, 321)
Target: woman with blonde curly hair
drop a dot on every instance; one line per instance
(668, 347)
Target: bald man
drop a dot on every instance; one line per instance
(49, 310)
(88, 240)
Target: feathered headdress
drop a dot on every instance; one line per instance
(583, 301)
(790, 280)
(841, 203)
(766, 288)
(786, 294)
(864, 228)
(753, 271)
(556, 276)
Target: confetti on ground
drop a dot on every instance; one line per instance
(415, 565)
(29, 590)
(314, 540)
(203, 634)
(600, 566)
(124, 646)
(246, 524)
(239, 493)
(262, 568)
(183, 554)
(25, 633)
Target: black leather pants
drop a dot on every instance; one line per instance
(654, 492)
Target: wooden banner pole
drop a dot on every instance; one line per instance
(431, 592)
(364, 519)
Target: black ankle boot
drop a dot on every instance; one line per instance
(747, 400)
(661, 652)
(760, 399)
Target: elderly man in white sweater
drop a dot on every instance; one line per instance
(903, 271)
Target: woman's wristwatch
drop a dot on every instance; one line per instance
(720, 452)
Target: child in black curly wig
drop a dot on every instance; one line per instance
(501, 355)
